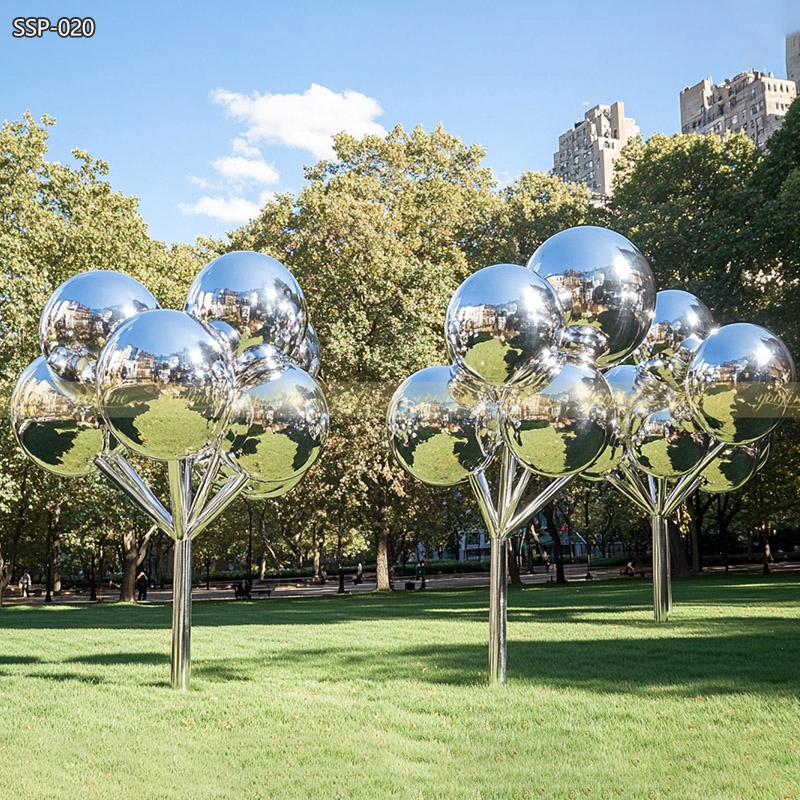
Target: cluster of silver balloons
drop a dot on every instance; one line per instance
(576, 364)
(229, 381)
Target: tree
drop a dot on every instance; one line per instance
(379, 239)
(535, 207)
(683, 201)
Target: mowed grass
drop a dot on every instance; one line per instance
(386, 696)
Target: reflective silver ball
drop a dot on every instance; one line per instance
(57, 432)
(563, 427)
(680, 324)
(500, 323)
(307, 355)
(81, 315)
(279, 427)
(440, 430)
(606, 288)
(666, 443)
(254, 294)
(731, 469)
(166, 385)
(256, 490)
(740, 383)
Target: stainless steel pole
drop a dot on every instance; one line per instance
(181, 614)
(661, 587)
(497, 611)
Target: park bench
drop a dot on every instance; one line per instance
(640, 572)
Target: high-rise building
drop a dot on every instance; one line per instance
(793, 58)
(587, 152)
(752, 102)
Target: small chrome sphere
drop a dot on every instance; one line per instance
(165, 384)
(562, 428)
(439, 429)
(59, 433)
(680, 324)
(606, 288)
(500, 324)
(80, 316)
(740, 383)
(278, 428)
(255, 295)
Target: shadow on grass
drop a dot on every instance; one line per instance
(751, 661)
(711, 653)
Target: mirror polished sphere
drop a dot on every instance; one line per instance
(79, 318)
(563, 427)
(500, 324)
(59, 433)
(740, 383)
(166, 385)
(667, 443)
(278, 428)
(307, 356)
(606, 288)
(255, 295)
(440, 428)
(731, 469)
(257, 490)
(680, 324)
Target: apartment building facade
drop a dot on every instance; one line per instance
(793, 58)
(754, 103)
(587, 152)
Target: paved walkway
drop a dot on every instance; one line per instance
(574, 572)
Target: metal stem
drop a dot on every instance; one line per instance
(483, 496)
(125, 477)
(181, 614)
(661, 589)
(498, 585)
(537, 504)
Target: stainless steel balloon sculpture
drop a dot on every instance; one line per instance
(224, 392)
(537, 375)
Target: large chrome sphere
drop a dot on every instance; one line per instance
(680, 324)
(606, 288)
(307, 356)
(666, 443)
(441, 429)
(79, 318)
(740, 383)
(58, 432)
(500, 323)
(278, 429)
(253, 294)
(166, 385)
(731, 469)
(563, 427)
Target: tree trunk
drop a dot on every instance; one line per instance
(133, 554)
(513, 564)
(677, 553)
(558, 551)
(7, 567)
(319, 544)
(382, 577)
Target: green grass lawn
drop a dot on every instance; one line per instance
(386, 696)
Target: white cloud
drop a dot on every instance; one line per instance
(305, 121)
(236, 168)
(235, 210)
(240, 147)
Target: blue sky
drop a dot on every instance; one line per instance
(203, 109)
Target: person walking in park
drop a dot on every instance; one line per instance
(141, 585)
(25, 584)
